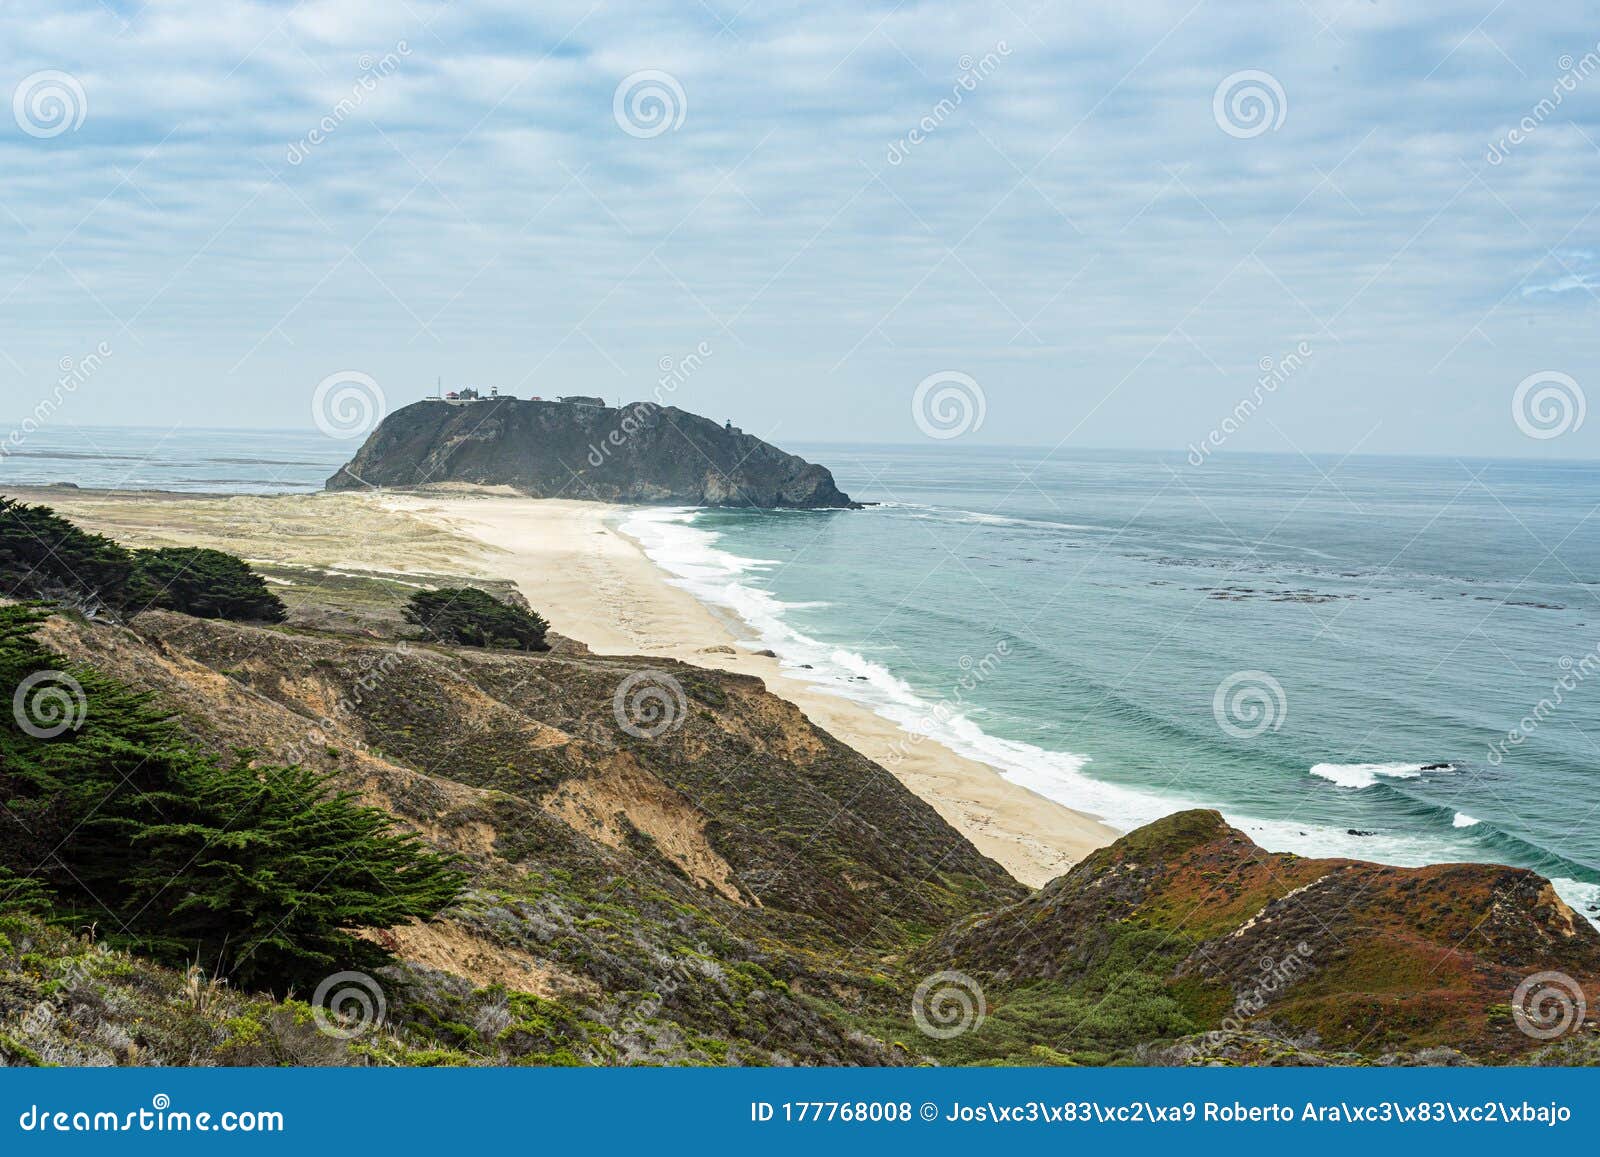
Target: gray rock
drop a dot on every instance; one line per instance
(641, 453)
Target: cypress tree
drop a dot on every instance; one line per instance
(209, 584)
(260, 872)
(44, 556)
(476, 618)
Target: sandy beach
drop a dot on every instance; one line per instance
(594, 584)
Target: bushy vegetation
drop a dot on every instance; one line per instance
(261, 873)
(72, 1000)
(209, 584)
(44, 556)
(476, 618)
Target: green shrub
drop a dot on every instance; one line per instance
(209, 584)
(43, 556)
(21, 894)
(261, 873)
(468, 615)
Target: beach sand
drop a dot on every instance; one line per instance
(594, 585)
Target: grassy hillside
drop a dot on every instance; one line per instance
(1185, 928)
(668, 865)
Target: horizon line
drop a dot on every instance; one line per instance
(313, 432)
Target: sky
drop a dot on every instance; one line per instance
(1073, 225)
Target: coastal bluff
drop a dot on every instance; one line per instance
(662, 863)
(638, 453)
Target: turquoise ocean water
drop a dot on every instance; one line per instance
(1406, 649)
(1377, 628)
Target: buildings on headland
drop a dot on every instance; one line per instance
(465, 395)
(469, 394)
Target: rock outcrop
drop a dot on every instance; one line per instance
(1187, 920)
(642, 453)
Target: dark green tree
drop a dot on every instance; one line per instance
(43, 556)
(262, 873)
(209, 584)
(476, 618)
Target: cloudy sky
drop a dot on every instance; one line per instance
(1106, 217)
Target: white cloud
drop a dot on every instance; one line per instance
(1077, 230)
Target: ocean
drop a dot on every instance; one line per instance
(1383, 658)
(207, 461)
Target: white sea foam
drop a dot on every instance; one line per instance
(1403, 849)
(1004, 520)
(1582, 898)
(1359, 775)
(690, 555)
(1463, 820)
(952, 514)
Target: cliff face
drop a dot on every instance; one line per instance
(724, 892)
(739, 887)
(640, 453)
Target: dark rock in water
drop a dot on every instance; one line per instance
(1358, 832)
(640, 453)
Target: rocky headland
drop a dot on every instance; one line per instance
(638, 453)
